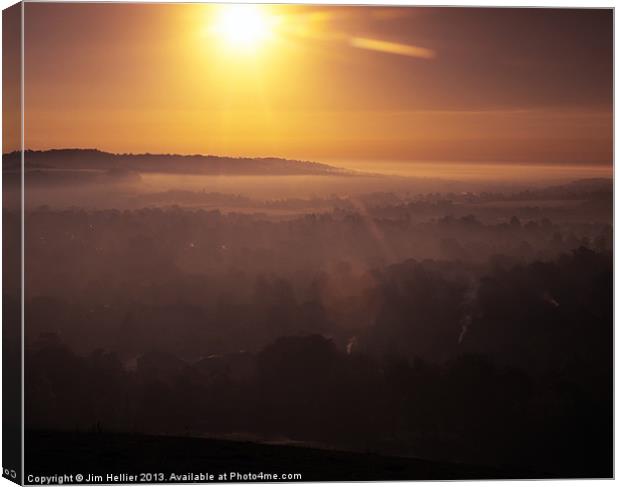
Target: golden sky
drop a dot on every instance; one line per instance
(322, 83)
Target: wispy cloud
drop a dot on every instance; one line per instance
(392, 47)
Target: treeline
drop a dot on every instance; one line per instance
(113, 254)
(513, 369)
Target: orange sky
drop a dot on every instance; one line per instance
(327, 83)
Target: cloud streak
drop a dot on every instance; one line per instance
(392, 48)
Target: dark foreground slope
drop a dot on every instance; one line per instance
(103, 453)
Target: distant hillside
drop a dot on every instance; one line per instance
(93, 159)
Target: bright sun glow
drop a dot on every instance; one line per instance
(243, 26)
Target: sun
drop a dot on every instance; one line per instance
(243, 26)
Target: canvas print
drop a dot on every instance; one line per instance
(255, 242)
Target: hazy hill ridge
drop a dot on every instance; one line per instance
(94, 159)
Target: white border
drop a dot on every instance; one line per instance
(478, 3)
